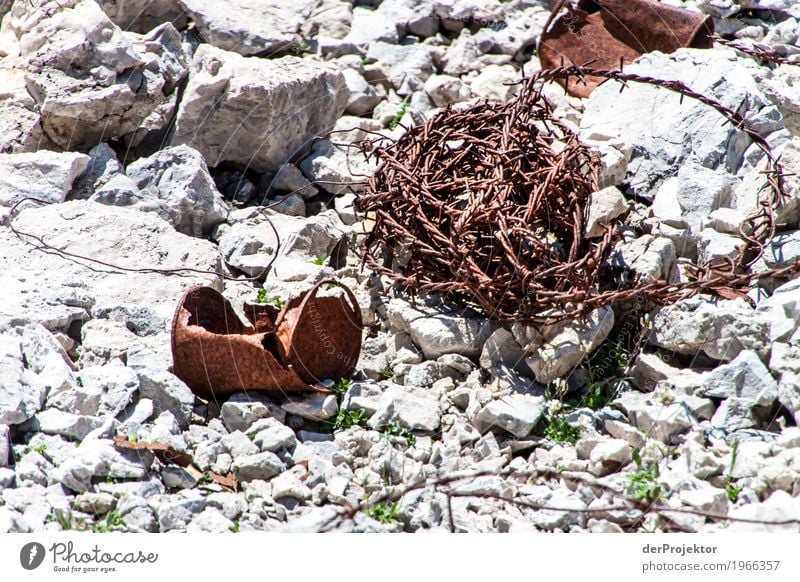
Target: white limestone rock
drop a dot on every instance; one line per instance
(553, 350)
(177, 179)
(721, 329)
(118, 236)
(666, 132)
(256, 113)
(46, 176)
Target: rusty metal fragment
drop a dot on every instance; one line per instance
(311, 339)
(609, 33)
(320, 337)
(167, 454)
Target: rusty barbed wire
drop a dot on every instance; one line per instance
(41, 244)
(619, 500)
(489, 203)
(496, 220)
(758, 51)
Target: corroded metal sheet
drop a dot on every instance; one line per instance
(608, 33)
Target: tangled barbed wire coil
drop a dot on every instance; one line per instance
(487, 205)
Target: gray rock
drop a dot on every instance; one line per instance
(5, 445)
(344, 208)
(21, 393)
(231, 505)
(238, 415)
(604, 206)
(143, 15)
(88, 81)
(445, 90)
(138, 515)
(287, 100)
(95, 503)
(658, 420)
(99, 458)
(315, 407)
(783, 310)
(167, 392)
(785, 363)
(495, 83)
(289, 485)
(66, 424)
(405, 66)
(745, 377)
(177, 478)
(335, 169)
(273, 436)
(552, 519)
(424, 374)
(260, 27)
(103, 166)
(116, 384)
(120, 236)
(411, 409)
(780, 506)
(362, 395)
(702, 190)
(651, 258)
(462, 55)
(783, 249)
(259, 466)
(32, 468)
(440, 331)
(668, 132)
(175, 512)
(206, 453)
(177, 178)
(720, 329)
(370, 26)
(289, 179)
(611, 450)
(502, 348)
(363, 97)
(238, 444)
(250, 245)
(46, 176)
(517, 414)
(716, 246)
(211, 520)
(554, 350)
(291, 205)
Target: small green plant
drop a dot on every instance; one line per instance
(341, 386)
(386, 373)
(643, 483)
(301, 48)
(205, 479)
(348, 418)
(383, 511)
(560, 431)
(320, 260)
(111, 521)
(732, 490)
(65, 519)
(399, 115)
(235, 527)
(263, 298)
(40, 448)
(393, 429)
